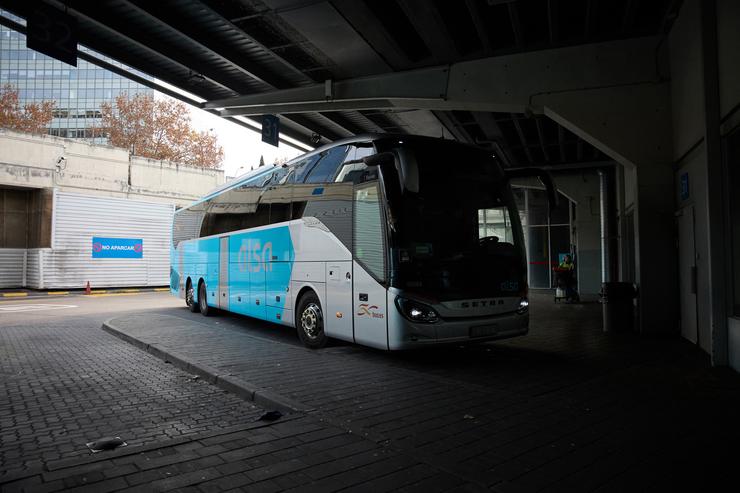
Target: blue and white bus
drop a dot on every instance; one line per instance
(389, 241)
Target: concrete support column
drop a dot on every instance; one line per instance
(716, 186)
(656, 257)
(631, 124)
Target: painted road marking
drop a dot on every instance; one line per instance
(161, 290)
(52, 293)
(102, 295)
(33, 307)
(14, 295)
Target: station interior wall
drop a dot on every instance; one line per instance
(687, 66)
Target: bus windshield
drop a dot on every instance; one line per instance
(455, 231)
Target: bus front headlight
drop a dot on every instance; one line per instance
(523, 306)
(416, 312)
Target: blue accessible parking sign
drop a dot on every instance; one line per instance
(117, 247)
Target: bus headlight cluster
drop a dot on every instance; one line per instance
(416, 312)
(523, 306)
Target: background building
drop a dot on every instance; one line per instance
(58, 195)
(78, 91)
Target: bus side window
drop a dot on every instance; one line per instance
(326, 168)
(303, 168)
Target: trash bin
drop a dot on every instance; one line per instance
(618, 309)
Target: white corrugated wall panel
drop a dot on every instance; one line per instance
(12, 262)
(77, 218)
(33, 267)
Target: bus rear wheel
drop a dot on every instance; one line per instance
(310, 321)
(205, 310)
(190, 297)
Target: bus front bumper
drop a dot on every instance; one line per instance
(403, 334)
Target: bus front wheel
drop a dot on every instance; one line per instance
(205, 310)
(310, 321)
(190, 297)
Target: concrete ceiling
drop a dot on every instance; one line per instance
(218, 49)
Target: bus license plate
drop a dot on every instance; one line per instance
(483, 330)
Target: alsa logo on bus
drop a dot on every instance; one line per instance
(255, 257)
(365, 309)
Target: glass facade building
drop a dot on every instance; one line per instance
(77, 91)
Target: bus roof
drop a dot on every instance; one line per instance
(356, 139)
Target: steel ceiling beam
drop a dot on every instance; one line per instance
(508, 84)
(522, 138)
(541, 137)
(516, 25)
(552, 21)
(144, 42)
(185, 29)
(412, 85)
(123, 72)
(475, 15)
(209, 7)
(561, 142)
(430, 27)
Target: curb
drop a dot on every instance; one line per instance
(81, 292)
(246, 390)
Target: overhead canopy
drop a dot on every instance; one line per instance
(223, 49)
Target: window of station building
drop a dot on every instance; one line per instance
(547, 234)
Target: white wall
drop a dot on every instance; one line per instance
(78, 218)
(30, 161)
(12, 267)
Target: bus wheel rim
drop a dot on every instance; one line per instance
(189, 295)
(310, 319)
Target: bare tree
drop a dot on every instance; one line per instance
(159, 129)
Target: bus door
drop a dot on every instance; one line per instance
(369, 298)
(338, 311)
(223, 273)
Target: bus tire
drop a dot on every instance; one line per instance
(190, 297)
(205, 310)
(310, 321)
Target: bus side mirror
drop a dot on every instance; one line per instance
(380, 159)
(543, 176)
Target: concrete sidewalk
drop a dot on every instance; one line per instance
(566, 408)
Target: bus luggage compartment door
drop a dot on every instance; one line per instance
(338, 311)
(223, 274)
(257, 292)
